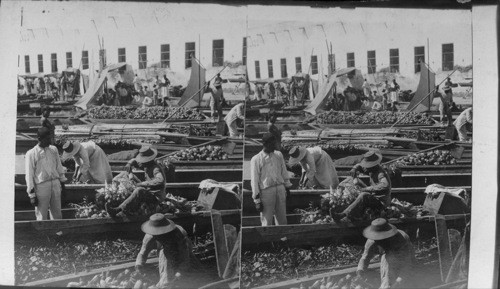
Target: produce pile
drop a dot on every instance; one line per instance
(204, 153)
(284, 263)
(435, 157)
(194, 130)
(289, 263)
(156, 112)
(105, 143)
(346, 194)
(50, 257)
(384, 117)
(331, 148)
(423, 135)
(121, 188)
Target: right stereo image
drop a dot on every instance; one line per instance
(357, 166)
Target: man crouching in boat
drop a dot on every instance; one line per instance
(153, 186)
(175, 250)
(377, 195)
(396, 254)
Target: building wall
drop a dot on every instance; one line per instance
(131, 30)
(299, 38)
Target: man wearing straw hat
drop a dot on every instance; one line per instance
(92, 165)
(44, 177)
(377, 195)
(270, 182)
(175, 250)
(317, 167)
(395, 250)
(153, 186)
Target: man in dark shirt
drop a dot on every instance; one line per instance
(153, 186)
(377, 195)
(45, 122)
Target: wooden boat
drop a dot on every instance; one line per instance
(301, 199)
(322, 234)
(202, 219)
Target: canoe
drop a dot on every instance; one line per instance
(323, 234)
(33, 228)
(301, 199)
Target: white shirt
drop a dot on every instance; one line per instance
(42, 165)
(463, 118)
(234, 113)
(268, 170)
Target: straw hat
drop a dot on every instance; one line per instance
(296, 155)
(380, 229)
(158, 224)
(146, 154)
(371, 159)
(70, 149)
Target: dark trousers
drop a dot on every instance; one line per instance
(363, 201)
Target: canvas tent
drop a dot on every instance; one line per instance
(109, 76)
(339, 81)
(194, 93)
(425, 86)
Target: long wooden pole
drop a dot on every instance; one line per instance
(191, 97)
(422, 100)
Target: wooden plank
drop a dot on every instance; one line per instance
(445, 257)
(221, 252)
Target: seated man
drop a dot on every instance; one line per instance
(175, 250)
(377, 195)
(153, 186)
(396, 254)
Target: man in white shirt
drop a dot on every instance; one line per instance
(463, 124)
(270, 182)
(237, 112)
(45, 177)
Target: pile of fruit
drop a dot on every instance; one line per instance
(156, 112)
(104, 143)
(435, 157)
(204, 153)
(125, 279)
(194, 130)
(423, 135)
(384, 117)
(332, 148)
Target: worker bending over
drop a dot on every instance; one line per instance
(92, 165)
(463, 124)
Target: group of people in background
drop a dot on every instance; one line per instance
(61, 88)
(295, 91)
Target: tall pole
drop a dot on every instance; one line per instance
(428, 76)
(200, 94)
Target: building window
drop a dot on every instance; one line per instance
(331, 62)
(298, 64)
(121, 55)
(218, 52)
(40, 63)
(165, 55)
(53, 62)
(143, 57)
(85, 59)
(448, 57)
(270, 71)
(314, 64)
(69, 59)
(350, 59)
(283, 68)
(244, 51)
(190, 52)
(419, 56)
(102, 57)
(394, 60)
(372, 63)
(27, 64)
(257, 69)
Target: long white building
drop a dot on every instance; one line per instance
(382, 43)
(58, 35)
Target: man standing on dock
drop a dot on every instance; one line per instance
(175, 250)
(376, 196)
(270, 182)
(45, 177)
(395, 250)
